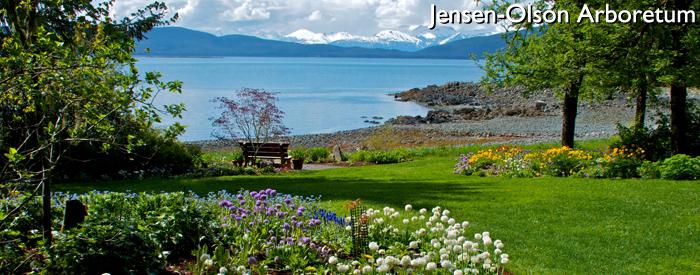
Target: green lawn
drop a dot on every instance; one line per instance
(549, 225)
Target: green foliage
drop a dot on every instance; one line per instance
(317, 154)
(650, 170)
(655, 142)
(381, 157)
(680, 167)
(297, 154)
(68, 79)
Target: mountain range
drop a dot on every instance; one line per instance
(443, 43)
(418, 37)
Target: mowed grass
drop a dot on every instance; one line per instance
(549, 225)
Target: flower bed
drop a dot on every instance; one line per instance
(558, 162)
(258, 232)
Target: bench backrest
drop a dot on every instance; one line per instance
(265, 149)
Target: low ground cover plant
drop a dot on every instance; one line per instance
(259, 232)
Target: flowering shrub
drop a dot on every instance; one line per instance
(504, 160)
(623, 162)
(559, 162)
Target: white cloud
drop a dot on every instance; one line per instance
(268, 17)
(315, 16)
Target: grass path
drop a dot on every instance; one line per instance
(549, 225)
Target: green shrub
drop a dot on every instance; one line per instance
(381, 157)
(317, 154)
(297, 154)
(99, 249)
(680, 167)
(649, 170)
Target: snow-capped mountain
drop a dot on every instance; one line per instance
(418, 37)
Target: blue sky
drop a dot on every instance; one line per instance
(280, 17)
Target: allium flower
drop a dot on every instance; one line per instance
(366, 269)
(373, 246)
(430, 266)
(422, 211)
(208, 262)
(408, 207)
(465, 224)
(477, 236)
(205, 257)
(223, 270)
(405, 221)
(225, 203)
(332, 260)
(342, 268)
(458, 272)
(252, 260)
(446, 264)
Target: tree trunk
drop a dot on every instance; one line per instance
(569, 112)
(46, 203)
(641, 108)
(679, 119)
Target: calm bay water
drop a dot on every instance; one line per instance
(318, 95)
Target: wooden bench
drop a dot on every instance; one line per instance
(271, 151)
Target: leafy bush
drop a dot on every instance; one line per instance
(297, 154)
(505, 160)
(381, 157)
(97, 249)
(680, 167)
(317, 154)
(622, 163)
(649, 170)
(559, 162)
(655, 142)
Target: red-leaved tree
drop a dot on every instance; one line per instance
(251, 115)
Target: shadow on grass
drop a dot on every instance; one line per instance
(383, 192)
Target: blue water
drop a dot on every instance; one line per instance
(318, 95)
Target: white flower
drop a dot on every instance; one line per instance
(423, 211)
(332, 260)
(348, 228)
(504, 260)
(405, 221)
(379, 221)
(477, 236)
(381, 252)
(205, 257)
(405, 260)
(414, 219)
(458, 272)
(366, 269)
(497, 251)
(223, 270)
(408, 207)
(451, 221)
(499, 244)
(430, 266)
(342, 268)
(465, 224)
(444, 218)
(457, 248)
(208, 262)
(240, 269)
(487, 265)
(356, 272)
(446, 264)
(487, 240)
(373, 246)
(446, 212)
(413, 244)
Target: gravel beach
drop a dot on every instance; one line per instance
(513, 118)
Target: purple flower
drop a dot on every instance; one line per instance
(252, 260)
(251, 223)
(286, 226)
(287, 200)
(253, 193)
(225, 203)
(242, 202)
(305, 240)
(239, 197)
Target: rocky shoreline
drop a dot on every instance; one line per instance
(465, 113)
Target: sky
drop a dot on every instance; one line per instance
(271, 18)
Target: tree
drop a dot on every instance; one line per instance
(557, 56)
(251, 115)
(67, 77)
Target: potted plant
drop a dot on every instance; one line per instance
(237, 158)
(297, 158)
